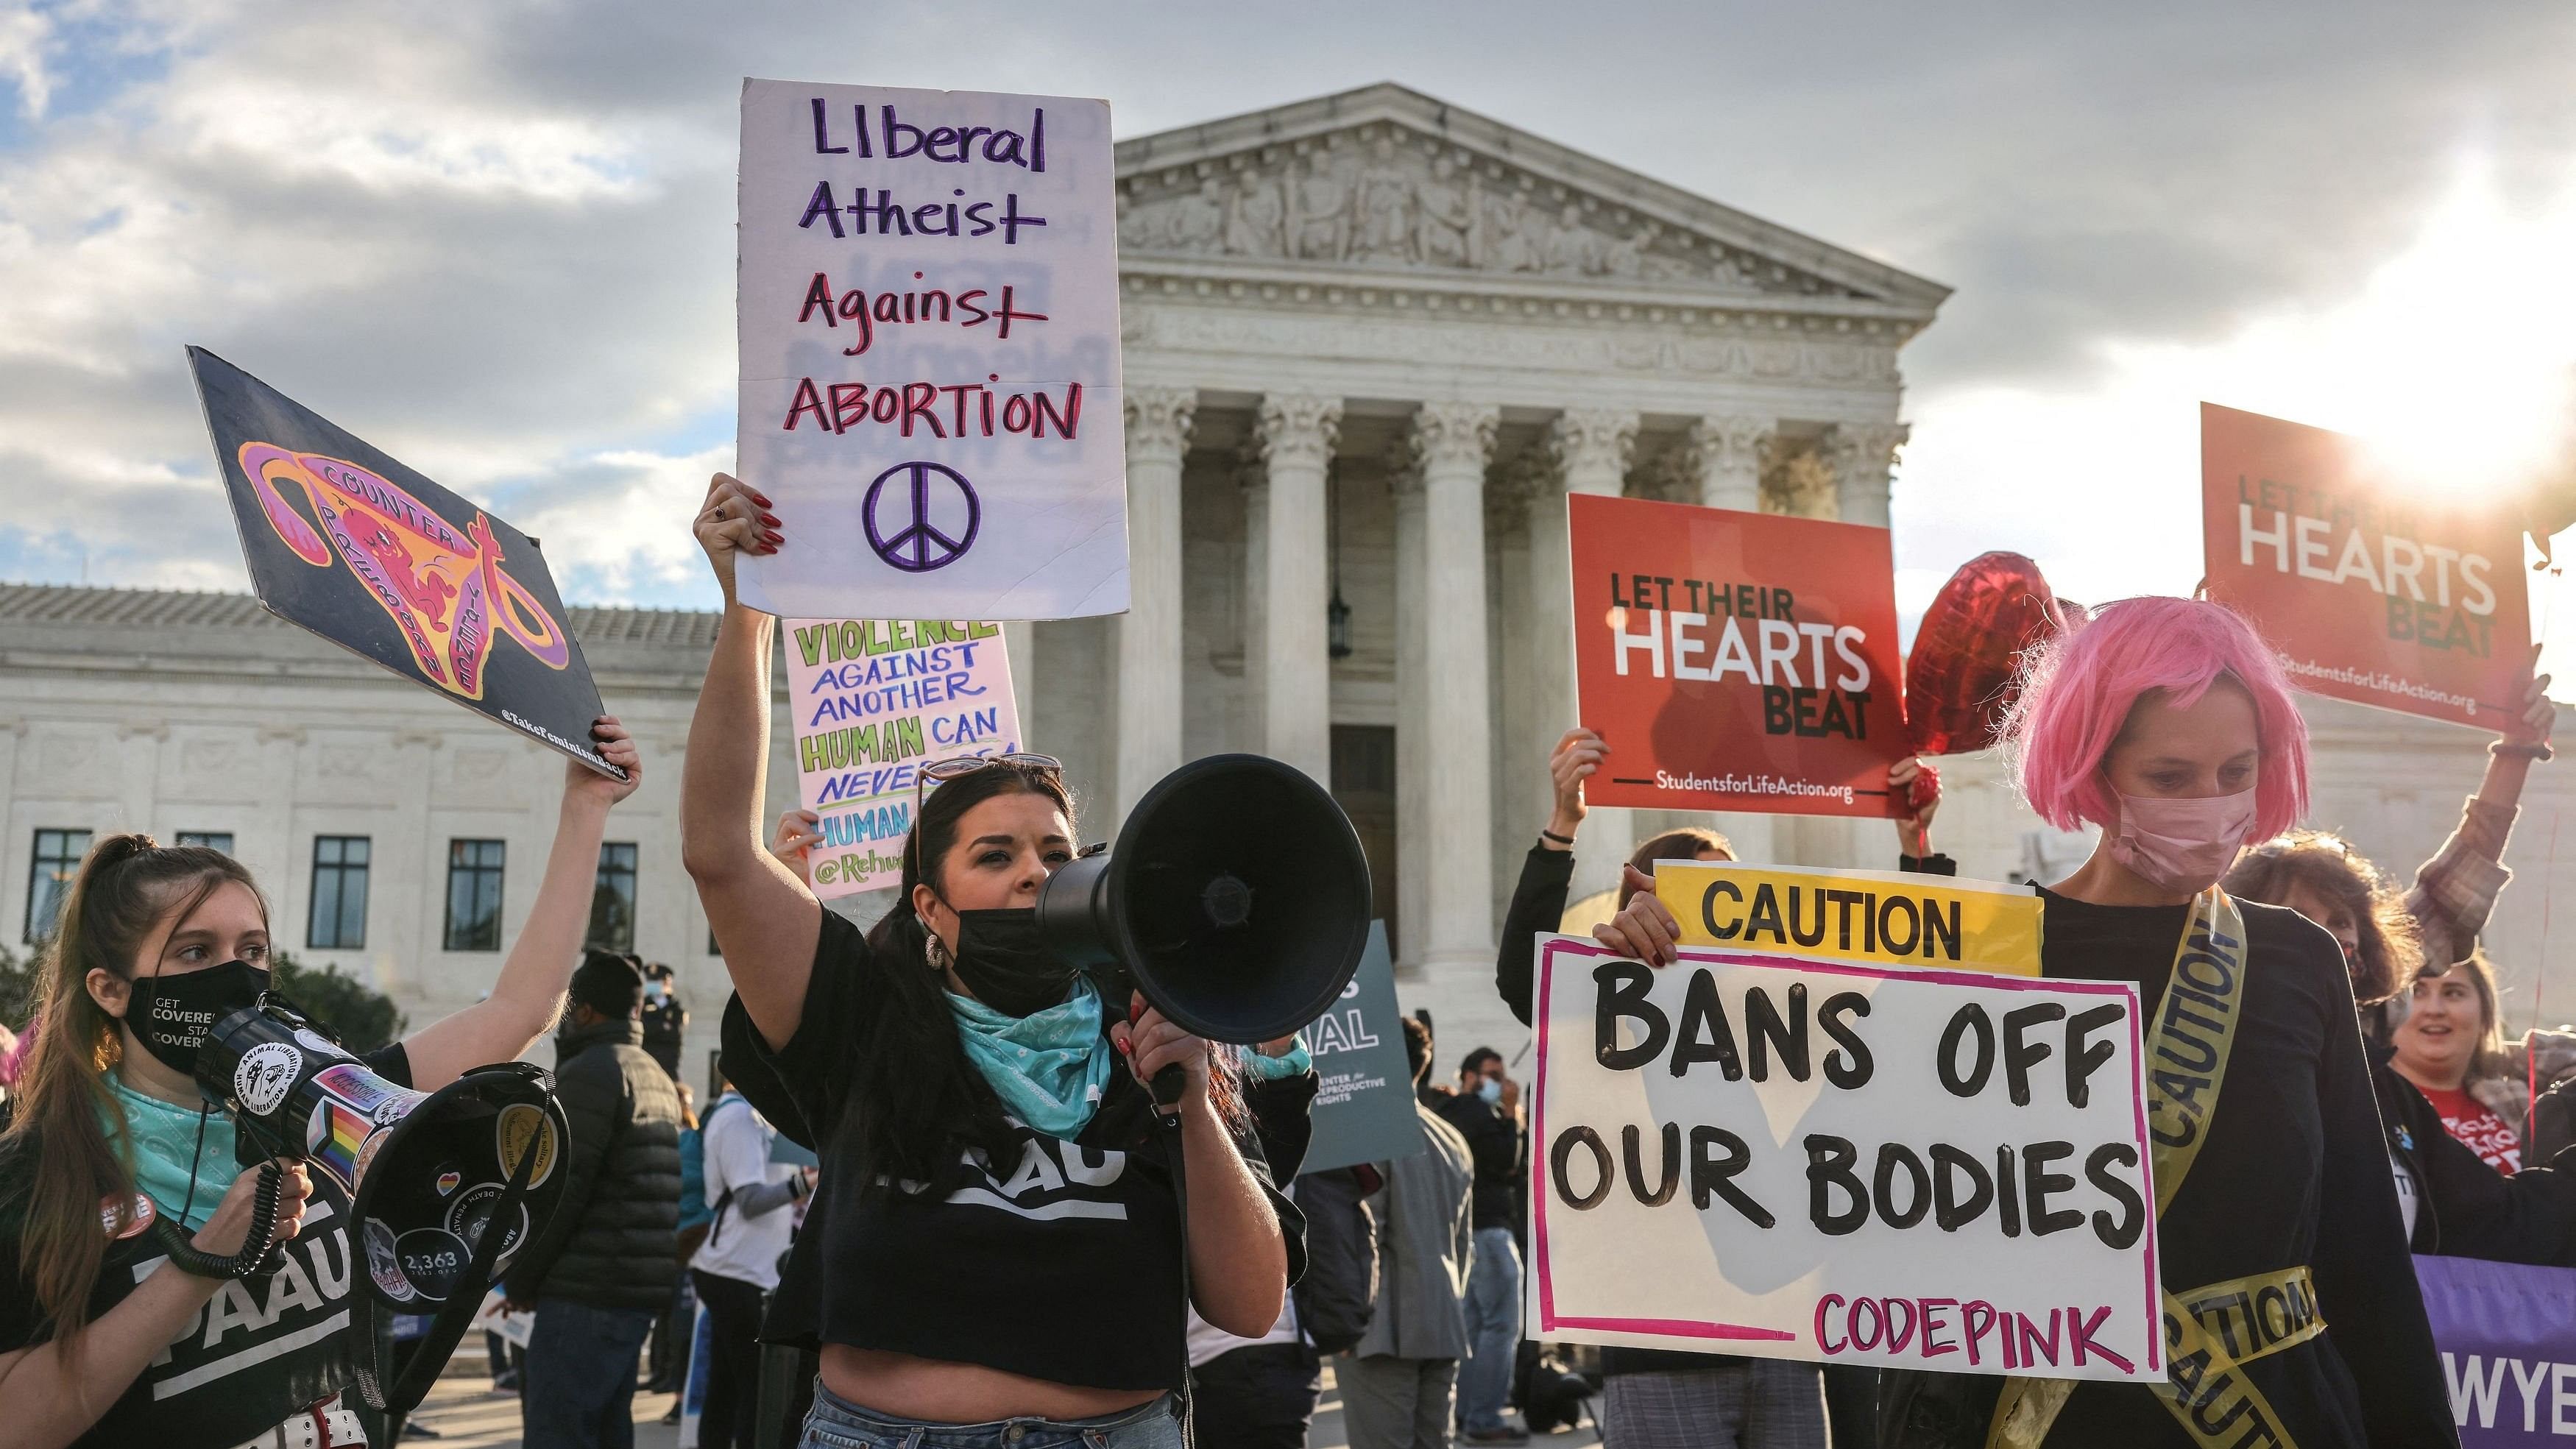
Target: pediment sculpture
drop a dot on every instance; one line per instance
(1403, 200)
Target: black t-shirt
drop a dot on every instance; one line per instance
(261, 1349)
(1063, 1264)
(2294, 1171)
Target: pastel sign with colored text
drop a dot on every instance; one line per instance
(874, 700)
(927, 325)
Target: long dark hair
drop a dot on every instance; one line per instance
(917, 1101)
(125, 887)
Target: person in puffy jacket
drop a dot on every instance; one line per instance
(602, 1272)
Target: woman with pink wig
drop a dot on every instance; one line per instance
(2169, 724)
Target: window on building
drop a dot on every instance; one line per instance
(339, 920)
(211, 839)
(49, 876)
(474, 894)
(612, 898)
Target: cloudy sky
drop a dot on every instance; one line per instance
(497, 238)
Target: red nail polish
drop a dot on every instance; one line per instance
(770, 518)
(760, 499)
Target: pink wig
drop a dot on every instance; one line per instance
(2077, 692)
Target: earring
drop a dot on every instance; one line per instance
(934, 951)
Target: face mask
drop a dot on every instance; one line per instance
(2182, 845)
(171, 1014)
(1490, 1090)
(1005, 962)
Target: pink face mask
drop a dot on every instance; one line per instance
(2182, 845)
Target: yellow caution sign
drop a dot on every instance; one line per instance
(1879, 917)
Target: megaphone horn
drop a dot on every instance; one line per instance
(1236, 900)
(424, 1170)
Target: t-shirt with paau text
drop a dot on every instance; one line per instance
(261, 1349)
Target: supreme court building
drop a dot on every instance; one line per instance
(1371, 341)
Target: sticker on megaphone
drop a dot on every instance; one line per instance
(518, 1127)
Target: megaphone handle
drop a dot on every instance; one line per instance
(197, 1262)
(1169, 1084)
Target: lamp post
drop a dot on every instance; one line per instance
(1337, 615)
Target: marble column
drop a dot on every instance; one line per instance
(1453, 718)
(1590, 450)
(1862, 455)
(1149, 633)
(1724, 459)
(1724, 455)
(1296, 434)
(1413, 843)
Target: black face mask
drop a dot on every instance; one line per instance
(172, 1014)
(1004, 960)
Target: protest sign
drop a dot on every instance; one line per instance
(2404, 598)
(1736, 661)
(1881, 917)
(2507, 1335)
(1363, 1109)
(927, 322)
(874, 700)
(427, 585)
(1752, 1153)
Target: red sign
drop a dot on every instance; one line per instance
(1736, 661)
(2371, 592)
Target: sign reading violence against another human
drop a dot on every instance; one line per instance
(874, 700)
(1736, 661)
(1803, 1157)
(2373, 591)
(344, 540)
(927, 320)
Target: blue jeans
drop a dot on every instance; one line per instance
(578, 1388)
(836, 1423)
(1493, 1330)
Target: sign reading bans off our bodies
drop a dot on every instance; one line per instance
(1736, 661)
(927, 320)
(874, 700)
(2408, 599)
(1801, 1144)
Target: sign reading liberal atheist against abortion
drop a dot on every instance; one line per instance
(1736, 661)
(2374, 591)
(873, 701)
(347, 542)
(1791, 1146)
(927, 320)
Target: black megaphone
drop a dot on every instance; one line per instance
(1236, 900)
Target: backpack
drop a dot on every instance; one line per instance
(1339, 1292)
(696, 1218)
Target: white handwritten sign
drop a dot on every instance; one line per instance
(1807, 1159)
(874, 700)
(927, 319)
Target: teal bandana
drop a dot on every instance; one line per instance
(1296, 1061)
(162, 1142)
(1049, 1067)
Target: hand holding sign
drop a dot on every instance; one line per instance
(733, 521)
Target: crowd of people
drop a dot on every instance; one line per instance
(991, 1207)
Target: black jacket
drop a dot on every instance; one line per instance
(2463, 1207)
(1494, 1139)
(1338, 1295)
(611, 1241)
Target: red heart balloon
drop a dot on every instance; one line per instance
(1958, 681)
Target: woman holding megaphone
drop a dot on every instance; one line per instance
(106, 1338)
(994, 1254)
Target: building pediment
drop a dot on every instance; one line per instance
(1390, 183)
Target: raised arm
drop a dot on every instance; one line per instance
(530, 987)
(2456, 890)
(766, 922)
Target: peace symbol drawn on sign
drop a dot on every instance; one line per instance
(915, 544)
